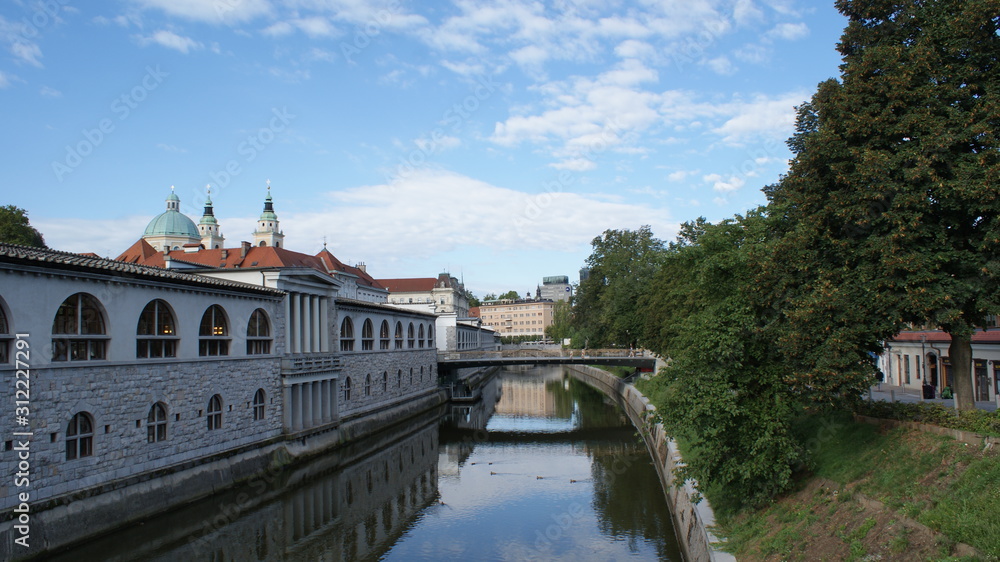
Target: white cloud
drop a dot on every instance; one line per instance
(722, 66)
(50, 92)
(764, 116)
(746, 12)
(788, 31)
(171, 40)
(725, 184)
(575, 165)
(4, 80)
(170, 148)
(752, 53)
(418, 218)
(634, 49)
(217, 11)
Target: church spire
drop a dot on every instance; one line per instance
(268, 233)
(208, 226)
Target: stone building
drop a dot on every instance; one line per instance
(184, 366)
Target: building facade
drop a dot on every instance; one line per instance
(554, 288)
(442, 295)
(914, 358)
(161, 375)
(518, 317)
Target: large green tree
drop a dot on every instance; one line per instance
(15, 229)
(622, 264)
(896, 171)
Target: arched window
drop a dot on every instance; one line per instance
(213, 334)
(421, 373)
(258, 333)
(78, 331)
(383, 335)
(156, 334)
(420, 336)
(347, 334)
(215, 412)
(411, 376)
(4, 338)
(347, 389)
(430, 336)
(385, 381)
(258, 404)
(80, 436)
(399, 335)
(368, 384)
(409, 337)
(399, 378)
(156, 423)
(367, 335)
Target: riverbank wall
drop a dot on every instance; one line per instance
(692, 514)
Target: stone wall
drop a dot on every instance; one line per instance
(693, 517)
(394, 375)
(118, 399)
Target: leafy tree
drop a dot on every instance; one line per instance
(489, 297)
(895, 173)
(560, 328)
(621, 266)
(725, 389)
(510, 295)
(15, 229)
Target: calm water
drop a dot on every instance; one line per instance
(544, 468)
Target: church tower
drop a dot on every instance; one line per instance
(267, 233)
(208, 226)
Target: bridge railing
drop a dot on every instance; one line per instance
(460, 355)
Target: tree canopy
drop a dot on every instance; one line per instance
(15, 229)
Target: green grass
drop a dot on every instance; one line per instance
(944, 484)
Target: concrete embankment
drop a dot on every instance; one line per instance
(693, 516)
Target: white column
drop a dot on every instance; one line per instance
(324, 323)
(288, 323)
(306, 324)
(317, 329)
(296, 407)
(307, 409)
(295, 332)
(317, 402)
(327, 397)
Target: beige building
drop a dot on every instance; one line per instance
(518, 318)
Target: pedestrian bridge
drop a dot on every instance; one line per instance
(451, 361)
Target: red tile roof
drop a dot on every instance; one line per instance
(474, 312)
(411, 285)
(937, 336)
(256, 256)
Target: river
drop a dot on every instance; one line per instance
(543, 468)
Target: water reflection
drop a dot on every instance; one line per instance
(543, 467)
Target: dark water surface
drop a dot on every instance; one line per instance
(543, 468)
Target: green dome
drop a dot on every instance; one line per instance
(172, 223)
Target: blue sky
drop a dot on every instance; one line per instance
(491, 139)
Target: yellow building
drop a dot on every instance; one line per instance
(517, 317)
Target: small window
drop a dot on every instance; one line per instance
(385, 381)
(78, 331)
(258, 404)
(213, 333)
(399, 378)
(347, 389)
(399, 335)
(368, 384)
(409, 337)
(258, 334)
(347, 334)
(367, 335)
(420, 336)
(215, 412)
(80, 437)
(156, 334)
(383, 335)
(156, 423)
